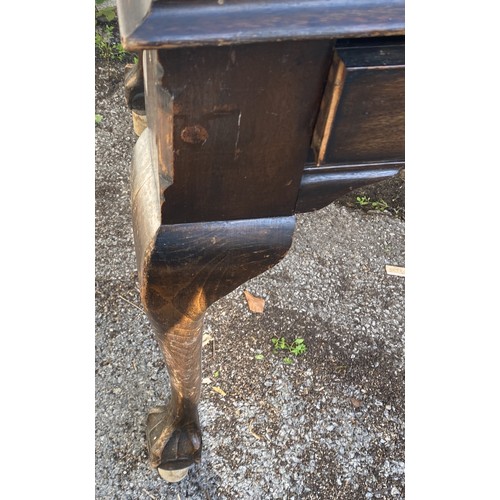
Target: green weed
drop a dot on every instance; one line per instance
(364, 201)
(381, 205)
(106, 47)
(295, 348)
(106, 35)
(106, 13)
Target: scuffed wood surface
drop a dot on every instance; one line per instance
(232, 126)
(164, 23)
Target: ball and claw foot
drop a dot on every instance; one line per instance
(174, 444)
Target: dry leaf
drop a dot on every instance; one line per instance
(255, 304)
(255, 435)
(395, 270)
(206, 339)
(219, 390)
(355, 402)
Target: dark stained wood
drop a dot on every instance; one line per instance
(166, 23)
(183, 269)
(232, 126)
(369, 125)
(364, 52)
(364, 121)
(219, 172)
(322, 185)
(189, 267)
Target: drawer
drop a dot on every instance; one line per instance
(361, 118)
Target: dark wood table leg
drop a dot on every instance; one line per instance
(215, 180)
(183, 269)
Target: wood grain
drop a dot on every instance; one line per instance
(329, 106)
(183, 269)
(164, 23)
(368, 124)
(232, 126)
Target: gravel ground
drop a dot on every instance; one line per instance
(330, 425)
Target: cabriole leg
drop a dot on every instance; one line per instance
(183, 269)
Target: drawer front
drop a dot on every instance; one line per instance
(361, 118)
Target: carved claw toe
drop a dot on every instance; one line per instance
(174, 442)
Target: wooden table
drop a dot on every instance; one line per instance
(255, 111)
